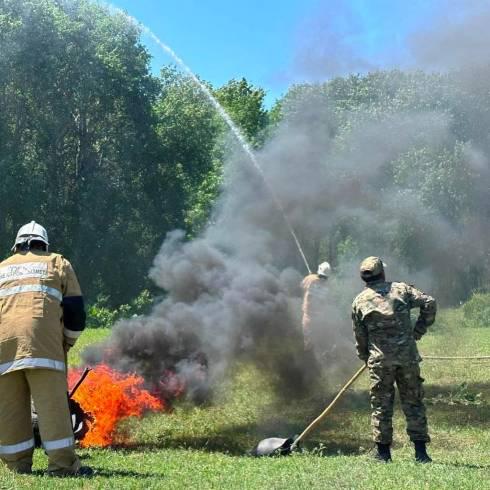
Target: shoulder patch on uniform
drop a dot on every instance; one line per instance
(359, 297)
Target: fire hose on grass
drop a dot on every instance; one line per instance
(274, 446)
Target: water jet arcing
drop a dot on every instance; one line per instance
(233, 127)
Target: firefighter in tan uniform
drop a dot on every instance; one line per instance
(41, 316)
(314, 304)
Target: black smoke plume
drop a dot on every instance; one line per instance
(342, 176)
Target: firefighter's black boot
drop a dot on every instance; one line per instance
(421, 455)
(383, 453)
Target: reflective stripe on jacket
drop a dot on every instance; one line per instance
(33, 286)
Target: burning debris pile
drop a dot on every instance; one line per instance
(110, 397)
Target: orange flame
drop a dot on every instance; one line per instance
(110, 397)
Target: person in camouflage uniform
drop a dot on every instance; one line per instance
(386, 341)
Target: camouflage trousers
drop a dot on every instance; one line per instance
(409, 383)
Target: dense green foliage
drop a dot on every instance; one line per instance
(107, 156)
(110, 157)
(100, 315)
(476, 311)
(77, 137)
(245, 104)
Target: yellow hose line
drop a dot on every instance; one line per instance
(450, 358)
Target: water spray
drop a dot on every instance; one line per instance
(233, 127)
(237, 133)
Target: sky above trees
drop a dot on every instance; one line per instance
(276, 43)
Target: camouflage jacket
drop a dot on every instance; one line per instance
(382, 326)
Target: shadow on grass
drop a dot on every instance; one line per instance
(338, 434)
(233, 440)
(127, 474)
(285, 418)
(105, 473)
(233, 448)
(239, 440)
(463, 465)
(457, 406)
(339, 447)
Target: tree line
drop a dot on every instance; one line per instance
(109, 156)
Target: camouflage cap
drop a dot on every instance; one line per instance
(371, 267)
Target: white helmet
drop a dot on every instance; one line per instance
(29, 232)
(324, 269)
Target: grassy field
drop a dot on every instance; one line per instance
(206, 447)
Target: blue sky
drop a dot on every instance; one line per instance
(275, 43)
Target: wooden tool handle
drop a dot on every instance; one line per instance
(79, 382)
(329, 408)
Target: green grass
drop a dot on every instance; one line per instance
(205, 447)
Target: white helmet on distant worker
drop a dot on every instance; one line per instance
(31, 231)
(324, 269)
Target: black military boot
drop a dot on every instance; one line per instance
(421, 455)
(382, 453)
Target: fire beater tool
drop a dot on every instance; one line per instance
(85, 373)
(79, 417)
(274, 446)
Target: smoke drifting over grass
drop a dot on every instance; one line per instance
(220, 305)
(354, 181)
